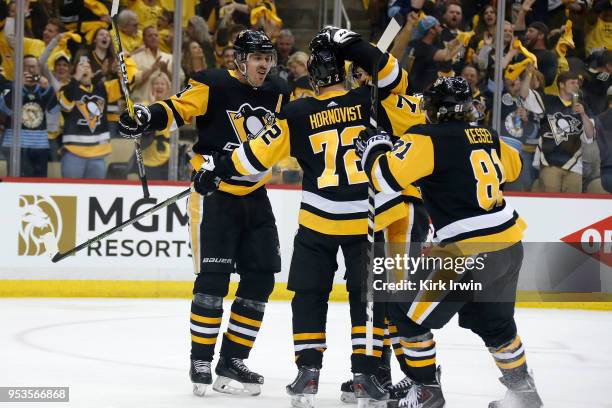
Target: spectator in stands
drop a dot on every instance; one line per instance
(535, 41)
(485, 31)
(41, 13)
(197, 30)
(520, 127)
(165, 31)
(155, 145)
(284, 49)
(235, 13)
(300, 82)
(472, 76)
(603, 126)
(131, 36)
(148, 11)
(564, 128)
(53, 28)
(150, 61)
(426, 55)
(86, 137)
(100, 55)
(193, 60)
(31, 46)
(38, 100)
(451, 22)
(599, 27)
(596, 81)
(263, 15)
(228, 58)
(84, 17)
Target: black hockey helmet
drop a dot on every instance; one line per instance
(325, 66)
(449, 98)
(251, 41)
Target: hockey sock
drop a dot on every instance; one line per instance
(420, 357)
(510, 358)
(360, 362)
(245, 321)
(393, 338)
(309, 319)
(206, 313)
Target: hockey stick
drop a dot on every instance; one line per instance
(123, 80)
(59, 255)
(383, 44)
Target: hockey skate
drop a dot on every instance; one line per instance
(369, 392)
(230, 370)
(348, 393)
(520, 394)
(305, 386)
(200, 375)
(419, 395)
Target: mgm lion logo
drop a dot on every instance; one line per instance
(44, 221)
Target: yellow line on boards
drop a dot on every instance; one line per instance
(183, 289)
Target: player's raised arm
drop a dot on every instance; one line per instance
(391, 77)
(171, 113)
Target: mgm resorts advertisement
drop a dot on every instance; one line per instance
(567, 245)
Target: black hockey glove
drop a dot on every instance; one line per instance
(132, 128)
(370, 143)
(206, 180)
(340, 37)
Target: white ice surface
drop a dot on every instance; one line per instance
(126, 353)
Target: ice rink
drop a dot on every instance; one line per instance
(125, 353)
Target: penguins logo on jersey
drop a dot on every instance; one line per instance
(248, 123)
(91, 108)
(562, 127)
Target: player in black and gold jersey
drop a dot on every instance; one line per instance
(319, 133)
(460, 170)
(233, 230)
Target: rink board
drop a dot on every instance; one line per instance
(152, 259)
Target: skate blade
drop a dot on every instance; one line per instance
(199, 389)
(302, 400)
(223, 385)
(371, 403)
(348, 397)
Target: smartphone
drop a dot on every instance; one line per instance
(83, 59)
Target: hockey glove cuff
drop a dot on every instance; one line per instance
(370, 144)
(214, 169)
(132, 128)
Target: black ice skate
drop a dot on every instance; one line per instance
(348, 393)
(421, 395)
(305, 386)
(200, 375)
(520, 394)
(400, 390)
(369, 392)
(230, 370)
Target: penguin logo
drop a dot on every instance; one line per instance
(248, 122)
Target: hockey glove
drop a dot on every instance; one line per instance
(340, 37)
(132, 128)
(207, 179)
(370, 143)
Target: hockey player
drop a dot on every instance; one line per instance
(233, 230)
(319, 132)
(461, 170)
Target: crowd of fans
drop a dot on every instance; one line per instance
(555, 106)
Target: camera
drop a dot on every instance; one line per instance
(35, 77)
